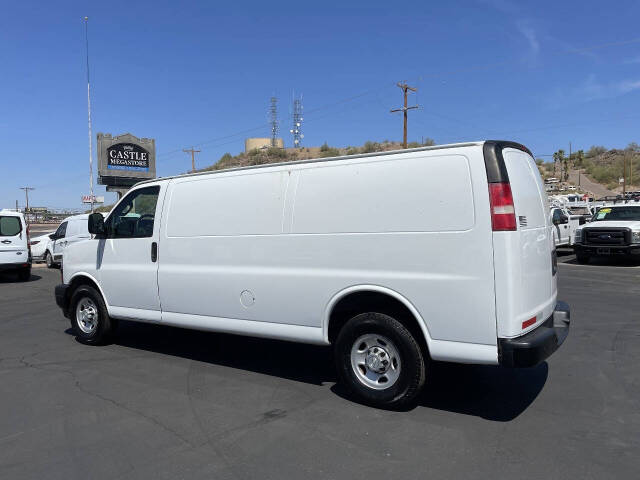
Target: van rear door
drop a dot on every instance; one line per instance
(13, 240)
(523, 256)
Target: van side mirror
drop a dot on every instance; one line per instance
(96, 224)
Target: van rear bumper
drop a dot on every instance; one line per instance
(532, 348)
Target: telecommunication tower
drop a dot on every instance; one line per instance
(296, 131)
(273, 111)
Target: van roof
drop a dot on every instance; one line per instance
(343, 157)
(9, 212)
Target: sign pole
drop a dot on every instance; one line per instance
(86, 37)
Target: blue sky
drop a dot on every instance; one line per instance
(200, 72)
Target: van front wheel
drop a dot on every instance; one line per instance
(379, 361)
(89, 318)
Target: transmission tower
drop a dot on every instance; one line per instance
(297, 122)
(273, 111)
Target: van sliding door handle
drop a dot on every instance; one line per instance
(154, 251)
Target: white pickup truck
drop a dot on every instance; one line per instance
(614, 230)
(564, 226)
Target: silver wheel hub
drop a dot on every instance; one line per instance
(375, 361)
(87, 315)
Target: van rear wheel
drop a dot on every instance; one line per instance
(89, 318)
(24, 275)
(379, 361)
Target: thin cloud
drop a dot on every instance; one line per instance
(592, 89)
(530, 35)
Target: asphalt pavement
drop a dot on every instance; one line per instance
(168, 403)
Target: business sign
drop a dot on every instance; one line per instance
(127, 156)
(124, 160)
(37, 210)
(87, 199)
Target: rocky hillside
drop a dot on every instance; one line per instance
(276, 155)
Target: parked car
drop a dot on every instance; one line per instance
(14, 244)
(614, 230)
(393, 258)
(39, 246)
(72, 229)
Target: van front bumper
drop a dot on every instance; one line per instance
(535, 346)
(587, 249)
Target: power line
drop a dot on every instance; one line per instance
(405, 91)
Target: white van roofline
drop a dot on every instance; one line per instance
(316, 160)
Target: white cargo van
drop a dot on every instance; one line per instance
(394, 258)
(15, 255)
(72, 229)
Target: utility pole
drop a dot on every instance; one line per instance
(193, 159)
(86, 38)
(566, 169)
(405, 90)
(624, 175)
(26, 193)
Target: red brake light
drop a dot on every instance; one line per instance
(503, 214)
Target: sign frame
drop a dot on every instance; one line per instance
(124, 160)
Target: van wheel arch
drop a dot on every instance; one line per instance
(367, 301)
(79, 281)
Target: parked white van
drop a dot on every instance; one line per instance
(72, 229)
(394, 258)
(15, 254)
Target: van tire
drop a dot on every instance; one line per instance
(97, 328)
(48, 259)
(582, 259)
(412, 366)
(24, 275)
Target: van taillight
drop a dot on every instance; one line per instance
(503, 215)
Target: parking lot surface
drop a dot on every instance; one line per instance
(167, 403)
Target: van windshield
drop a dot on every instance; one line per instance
(618, 213)
(10, 226)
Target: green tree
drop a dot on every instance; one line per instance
(558, 159)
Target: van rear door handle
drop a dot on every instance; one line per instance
(154, 251)
(6, 242)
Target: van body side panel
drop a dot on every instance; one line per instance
(417, 223)
(222, 253)
(525, 286)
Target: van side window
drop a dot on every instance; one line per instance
(134, 216)
(62, 230)
(10, 226)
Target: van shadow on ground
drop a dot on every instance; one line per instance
(10, 277)
(490, 392)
